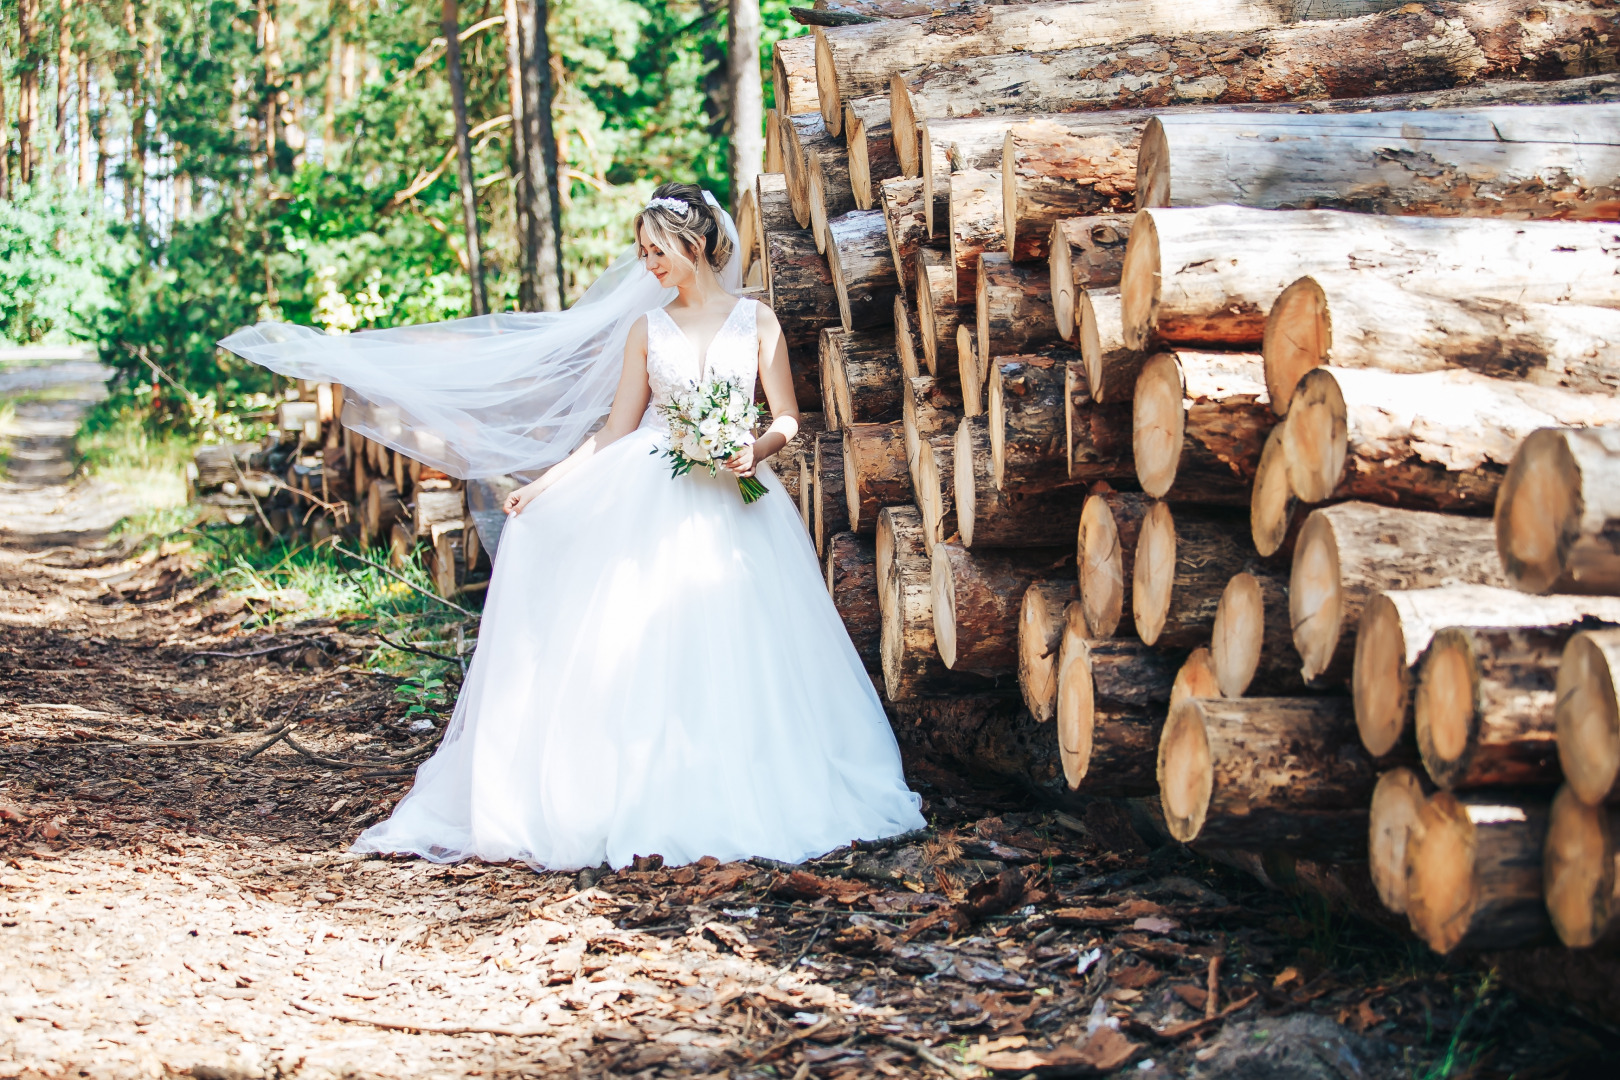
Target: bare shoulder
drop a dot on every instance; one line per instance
(764, 317)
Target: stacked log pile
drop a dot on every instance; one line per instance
(1174, 400)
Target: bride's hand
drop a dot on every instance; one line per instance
(521, 498)
(742, 462)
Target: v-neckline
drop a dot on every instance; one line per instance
(703, 357)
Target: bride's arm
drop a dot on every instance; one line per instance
(776, 378)
(629, 403)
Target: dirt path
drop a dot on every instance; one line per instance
(171, 903)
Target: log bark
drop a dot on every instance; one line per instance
(1111, 703)
(862, 269)
(382, 508)
(948, 146)
(1083, 254)
(1098, 436)
(975, 224)
(774, 207)
(1262, 773)
(1351, 320)
(1251, 644)
(1548, 161)
(1012, 306)
(1587, 718)
(1027, 418)
(864, 374)
(938, 313)
(1183, 562)
(401, 542)
(875, 473)
(1199, 421)
(870, 141)
(988, 516)
(912, 666)
(1110, 365)
(905, 226)
(1348, 553)
(830, 195)
(1397, 801)
(1041, 616)
(1440, 440)
(1210, 275)
(793, 75)
(1483, 710)
(851, 574)
(935, 486)
(827, 492)
(927, 411)
(447, 560)
(801, 293)
(785, 461)
(976, 596)
(1473, 872)
(1194, 679)
(803, 134)
(1397, 626)
(433, 508)
(830, 370)
(1061, 167)
(1578, 869)
(1110, 525)
(1558, 512)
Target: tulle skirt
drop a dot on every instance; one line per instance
(659, 671)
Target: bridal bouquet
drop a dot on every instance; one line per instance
(707, 425)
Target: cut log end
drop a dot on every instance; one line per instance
(1239, 634)
(1060, 273)
(1315, 596)
(1537, 511)
(943, 588)
(1040, 632)
(1587, 717)
(1297, 338)
(1578, 870)
(1153, 166)
(1396, 803)
(1195, 679)
(1159, 423)
(1154, 575)
(962, 483)
(1381, 681)
(1186, 772)
(1441, 891)
(1076, 706)
(1102, 568)
(1474, 873)
(1271, 500)
(1445, 708)
(1139, 283)
(1315, 438)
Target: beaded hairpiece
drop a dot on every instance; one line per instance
(666, 203)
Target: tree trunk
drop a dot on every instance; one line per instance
(451, 29)
(1111, 701)
(1347, 553)
(1266, 773)
(1084, 254)
(1199, 420)
(986, 734)
(975, 225)
(543, 285)
(935, 486)
(1110, 526)
(1098, 436)
(522, 199)
(898, 536)
(1271, 501)
(774, 207)
(988, 516)
(1558, 512)
(938, 313)
(382, 508)
(747, 99)
(971, 369)
(1041, 618)
(793, 76)
(830, 196)
(1587, 718)
(1473, 872)
(863, 273)
(1397, 800)
(1209, 275)
(1062, 167)
(928, 410)
(1012, 306)
(1352, 320)
(800, 288)
(434, 508)
(875, 472)
(1027, 416)
(904, 223)
(1578, 869)
(976, 596)
(28, 87)
(852, 581)
(950, 146)
(871, 148)
(1194, 679)
(905, 338)
(1183, 563)
(831, 508)
(912, 666)
(864, 375)
(1251, 643)
(447, 560)
(803, 135)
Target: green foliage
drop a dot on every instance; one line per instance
(57, 267)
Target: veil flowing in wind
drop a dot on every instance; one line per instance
(510, 393)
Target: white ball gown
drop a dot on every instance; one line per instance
(659, 671)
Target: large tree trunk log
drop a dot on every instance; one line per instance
(1084, 253)
(852, 582)
(802, 296)
(1098, 436)
(864, 375)
(1558, 512)
(1041, 616)
(1419, 440)
(827, 492)
(912, 666)
(871, 148)
(1473, 872)
(793, 75)
(803, 135)
(938, 313)
(991, 516)
(1351, 320)
(975, 224)
(935, 486)
(1110, 525)
(1348, 553)
(1209, 275)
(830, 369)
(901, 202)
(1251, 644)
(1549, 161)
(1012, 306)
(1027, 422)
(1111, 701)
(772, 204)
(976, 600)
(862, 269)
(1271, 501)
(875, 472)
(927, 411)
(827, 173)
(1483, 711)
(1578, 869)
(1397, 626)
(1182, 565)
(1587, 716)
(1266, 772)
(1062, 167)
(1199, 420)
(382, 508)
(1396, 803)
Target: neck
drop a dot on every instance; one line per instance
(702, 287)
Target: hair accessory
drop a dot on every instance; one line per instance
(678, 206)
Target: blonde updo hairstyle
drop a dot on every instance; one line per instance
(694, 231)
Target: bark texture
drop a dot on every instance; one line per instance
(976, 600)
(852, 580)
(1473, 872)
(1199, 421)
(1112, 695)
(992, 516)
(875, 472)
(1183, 563)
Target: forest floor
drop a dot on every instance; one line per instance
(177, 794)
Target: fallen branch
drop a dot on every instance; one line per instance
(276, 735)
(253, 652)
(338, 763)
(402, 579)
(419, 651)
(430, 1029)
(777, 1047)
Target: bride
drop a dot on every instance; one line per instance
(660, 669)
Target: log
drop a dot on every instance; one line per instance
(871, 148)
(1282, 773)
(1111, 703)
(864, 374)
(985, 735)
(785, 464)
(1110, 366)
(975, 224)
(862, 269)
(1098, 436)
(1110, 525)
(1397, 801)
(1012, 306)
(774, 155)
(912, 666)
(1547, 161)
(905, 226)
(988, 516)
(774, 207)
(1578, 869)
(1558, 512)
(1027, 417)
(905, 339)
(971, 370)
(935, 486)
(1183, 562)
(1348, 553)
(830, 370)
(1041, 616)
(852, 582)
(830, 196)
(1251, 644)
(899, 530)
(1350, 320)
(952, 145)
(1195, 678)
(433, 508)
(875, 472)
(976, 596)
(827, 490)
(801, 291)
(803, 135)
(447, 560)
(1397, 626)
(1084, 253)
(1060, 167)
(805, 460)
(938, 313)
(793, 75)
(401, 542)
(1473, 872)
(1210, 275)
(379, 512)
(1271, 501)
(1586, 717)
(1440, 440)
(1198, 423)
(748, 229)
(360, 476)
(927, 410)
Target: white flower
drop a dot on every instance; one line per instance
(710, 426)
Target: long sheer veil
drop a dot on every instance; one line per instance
(485, 396)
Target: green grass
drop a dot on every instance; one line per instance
(146, 465)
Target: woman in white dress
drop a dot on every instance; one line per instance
(659, 669)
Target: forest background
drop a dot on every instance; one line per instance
(172, 170)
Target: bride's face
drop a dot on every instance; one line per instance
(671, 270)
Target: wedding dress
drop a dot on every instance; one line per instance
(659, 671)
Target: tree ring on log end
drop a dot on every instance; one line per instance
(1271, 500)
(1154, 575)
(1238, 635)
(1537, 521)
(942, 584)
(1316, 437)
(962, 481)
(1158, 423)
(1441, 892)
(1195, 679)
(1067, 299)
(1578, 870)
(1447, 705)
(1102, 568)
(1139, 283)
(1153, 166)
(1076, 708)
(1587, 717)
(1186, 772)
(1315, 596)
(1381, 680)
(1396, 803)
(1297, 338)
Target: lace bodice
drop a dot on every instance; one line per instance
(673, 362)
